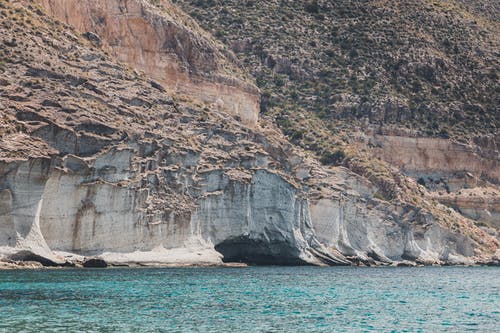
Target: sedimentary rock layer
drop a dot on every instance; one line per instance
(428, 157)
(167, 46)
(99, 205)
(96, 160)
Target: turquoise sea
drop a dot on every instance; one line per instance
(255, 299)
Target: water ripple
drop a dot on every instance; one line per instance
(259, 299)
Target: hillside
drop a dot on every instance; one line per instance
(413, 83)
(109, 152)
(429, 66)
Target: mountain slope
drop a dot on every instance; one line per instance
(97, 159)
(166, 45)
(413, 83)
(430, 66)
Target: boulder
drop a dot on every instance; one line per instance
(28, 256)
(95, 263)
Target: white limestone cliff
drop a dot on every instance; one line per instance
(96, 206)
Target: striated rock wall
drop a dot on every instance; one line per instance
(79, 206)
(419, 156)
(462, 176)
(398, 234)
(167, 46)
(101, 205)
(480, 204)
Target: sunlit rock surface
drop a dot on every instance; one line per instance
(97, 160)
(168, 46)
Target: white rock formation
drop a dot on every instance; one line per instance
(98, 206)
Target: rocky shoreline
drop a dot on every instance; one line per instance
(33, 265)
(82, 262)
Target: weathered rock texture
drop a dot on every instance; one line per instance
(414, 80)
(96, 160)
(437, 158)
(462, 176)
(167, 46)
(481, 204)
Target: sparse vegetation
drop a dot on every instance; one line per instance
(424, 65)
(333, 158)
(322, 92)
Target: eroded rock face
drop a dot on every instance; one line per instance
(167, 46)
(393, 236)
(436, 158)
(97, 161)
(76, 208)
(95, 263)
(264, 221)
(109, 203)
(462, 176)
(78, 205)
(480, 204)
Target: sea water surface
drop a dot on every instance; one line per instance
(255, 299)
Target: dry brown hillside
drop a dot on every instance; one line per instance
(411, 83)
(429, 66)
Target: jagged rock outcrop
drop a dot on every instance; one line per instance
(95, 263)
(97, 161)
(168, 46)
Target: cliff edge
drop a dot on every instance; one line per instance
(98, 160)
(168, 47)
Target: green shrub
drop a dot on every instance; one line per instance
(333, 158)
(312, 7)
(378, 195)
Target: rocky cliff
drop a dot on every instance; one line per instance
(411, 83)
(97, 159)
(459, 164)
(464, 176)
(168, 46)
